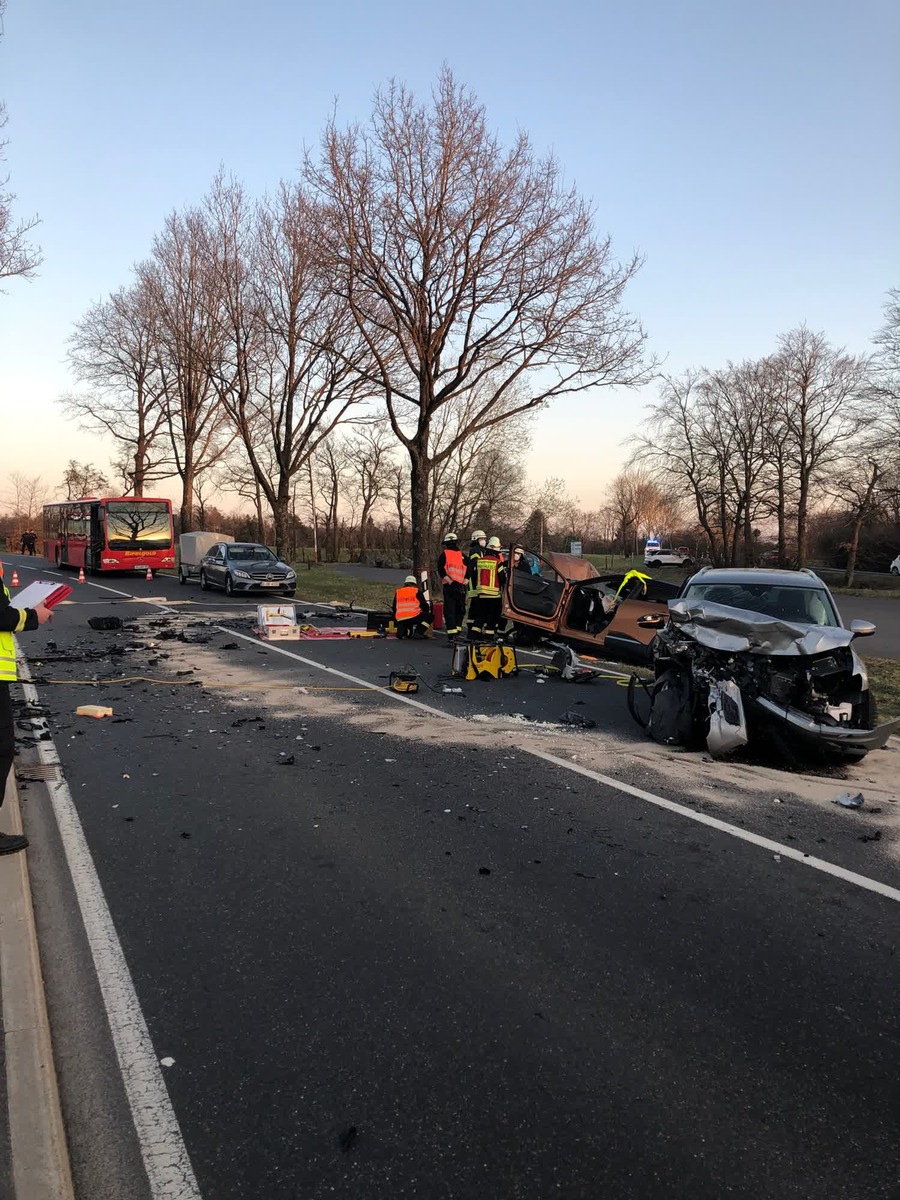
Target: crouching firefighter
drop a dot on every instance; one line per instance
(487, 572)
(410, 610)
(452, 574)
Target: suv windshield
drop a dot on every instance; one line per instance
(251, 554)
(803, 605)
(143, 524)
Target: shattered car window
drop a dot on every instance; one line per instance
(804, 605)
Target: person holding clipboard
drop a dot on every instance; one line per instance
(12, 620)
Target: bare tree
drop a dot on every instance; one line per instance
(26, 496)
(83, 479)
(822, 412)
(331, 470)
(113, 349)
(177, 284)
(855, 488)
(293, 356)
(18, 257)
(641, 507)
(367, 453)
(471, 261)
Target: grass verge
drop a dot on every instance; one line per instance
(868, 593)
(884, 680)
(324, 585)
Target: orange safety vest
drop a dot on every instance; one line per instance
(455, 566)
(487, 578)
(407, 603)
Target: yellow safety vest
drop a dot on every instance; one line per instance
(487, 578)
(8, 646)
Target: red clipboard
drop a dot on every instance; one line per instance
(41, 592)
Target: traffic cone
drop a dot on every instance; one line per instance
(15, 578)
(149, 574)
(81, 574)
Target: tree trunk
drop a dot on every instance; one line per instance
(137, 481)
(802, 522)
(187, 500)
(281, 518)
(420, 478)
(854, 547)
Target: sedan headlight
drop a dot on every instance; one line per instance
(290, 575)
(240, 574)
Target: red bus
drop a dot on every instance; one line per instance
(112, 533)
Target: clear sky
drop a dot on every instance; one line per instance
(748, 148)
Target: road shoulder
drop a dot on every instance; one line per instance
(40, 1160)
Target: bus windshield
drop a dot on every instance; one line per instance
(139, 524)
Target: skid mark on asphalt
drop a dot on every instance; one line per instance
(164, 1153)
(777, 848)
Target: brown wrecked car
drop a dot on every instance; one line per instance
(562, 598)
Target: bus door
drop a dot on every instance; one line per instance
(96, 539)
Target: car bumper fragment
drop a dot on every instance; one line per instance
(838, 736)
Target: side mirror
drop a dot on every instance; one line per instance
(656, 621)
(862, 628)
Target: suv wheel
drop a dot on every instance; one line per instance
(204, 582)
(229, 586)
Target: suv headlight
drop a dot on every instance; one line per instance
(241, 574)
(291, 575)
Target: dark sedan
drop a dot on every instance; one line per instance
(246, 567)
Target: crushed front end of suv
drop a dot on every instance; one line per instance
(760, 657)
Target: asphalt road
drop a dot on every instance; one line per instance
(555, 988)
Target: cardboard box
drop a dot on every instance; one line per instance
(277, 623)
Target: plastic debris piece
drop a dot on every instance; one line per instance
(105, 624)
(484, 870)
(452, 691)
(93, 710)
(849, 800)
(287, 761)
(577, 720)
(167, 1062)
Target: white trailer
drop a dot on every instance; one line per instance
(191, 549)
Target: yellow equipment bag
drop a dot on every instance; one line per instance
(485, 661)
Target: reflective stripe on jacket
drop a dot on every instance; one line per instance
(406, 603)
(455, 566)
(8, 646)
(487, 578)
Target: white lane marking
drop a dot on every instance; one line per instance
(311, 662)
(165, 1155)
(817, 864)
(808, 860)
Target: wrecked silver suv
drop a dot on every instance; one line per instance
(748, 655)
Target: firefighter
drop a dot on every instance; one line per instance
(452, 574)
(476, 547)
(487, 572)
(410, 610)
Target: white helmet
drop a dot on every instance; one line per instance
(411, 579)
(479, 535)
(494, 544)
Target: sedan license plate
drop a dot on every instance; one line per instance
(269, 583)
